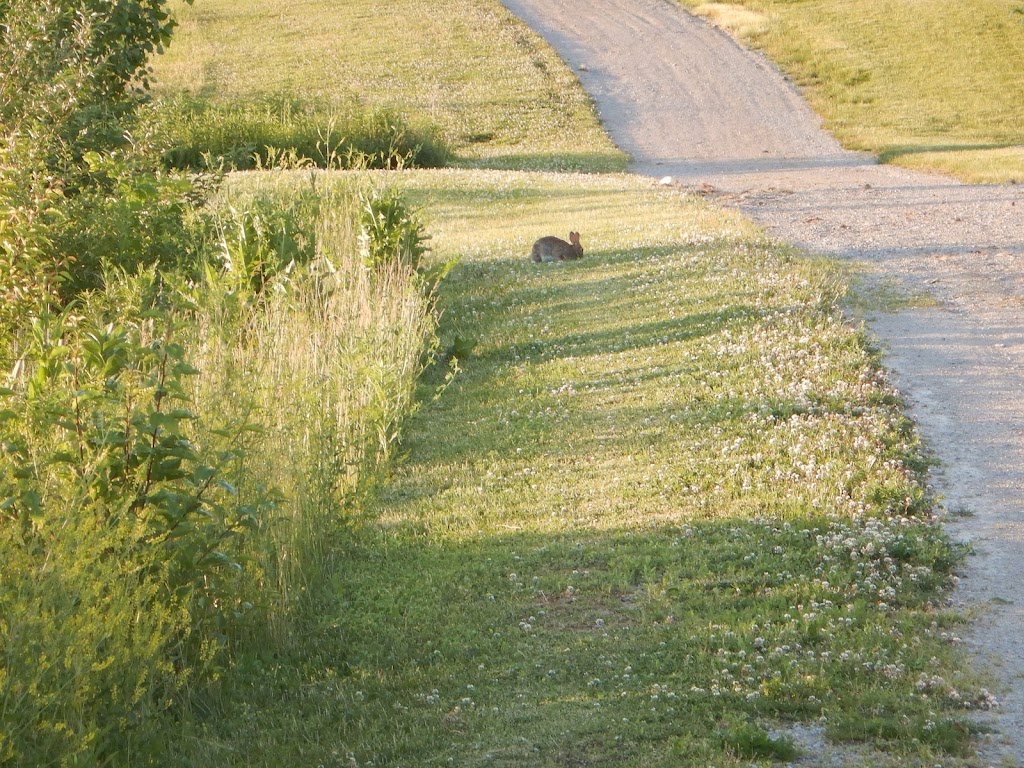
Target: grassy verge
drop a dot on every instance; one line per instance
(669, 513)
(324, 356)
(278, 132)
(496, 94)
(934, 86)
(179, 453)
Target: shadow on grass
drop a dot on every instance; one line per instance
(467, 623)
(572, 365)
(891, 154)
(590, 316)
(527, 644)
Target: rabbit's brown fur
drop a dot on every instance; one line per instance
(556, 249)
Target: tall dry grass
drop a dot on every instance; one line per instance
(325, 358)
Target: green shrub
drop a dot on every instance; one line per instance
(99, 427)
(391, 233)
(87, 645)
(57, 242)
(282, 132)
(127, 215)
(29, 276)
(79, 186)
(73, 69)
(122, 528)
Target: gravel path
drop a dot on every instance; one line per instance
(687, 102)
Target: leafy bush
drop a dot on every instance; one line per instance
(77, 188)
(74, 68)
(130, 215)
(123, 533)
(99, 426)
(392, 234)
(86, 645)
(29, 276)
(282, 132)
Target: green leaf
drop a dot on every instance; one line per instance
(168, 469)
(159, 420)
(175, 351)
(228, 487)
(202, 473)
(218, 558)
(182, 368)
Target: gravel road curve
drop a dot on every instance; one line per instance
(687, 102)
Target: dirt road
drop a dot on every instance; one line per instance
(687, 102)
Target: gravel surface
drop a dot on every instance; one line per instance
(688, 103)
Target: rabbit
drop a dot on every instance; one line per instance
(555, 249)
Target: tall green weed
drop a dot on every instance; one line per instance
(325, 353)
(390, 231)
(120, 530)
(179, 459)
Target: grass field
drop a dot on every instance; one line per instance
(498, 95)
(668, 512)
(933, 86)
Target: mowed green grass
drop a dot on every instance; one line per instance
(928, 85)
(668, 508)
(497, 93)
(934, 86)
